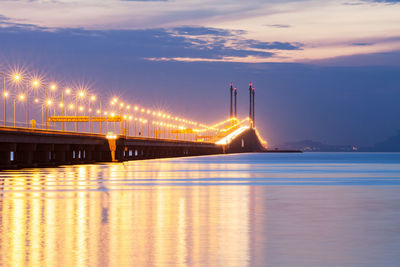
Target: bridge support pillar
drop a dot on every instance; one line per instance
(113, 147)
(5, 153)
(44, 153)
(90, 153)
(25, 154)
(61, 154)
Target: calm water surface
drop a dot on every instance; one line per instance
(311, 209)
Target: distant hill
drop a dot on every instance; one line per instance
(309, 145)
(392, 144)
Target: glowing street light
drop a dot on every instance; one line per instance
(35, 83)
(80, 94)
(21, 98)
(67, 91)
(17, 77)
(52, 88)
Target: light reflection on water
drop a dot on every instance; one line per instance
(237, 210)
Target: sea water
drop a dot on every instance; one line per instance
(266, 209)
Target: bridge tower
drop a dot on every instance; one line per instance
(254, 107)
(231, 110)
(251, 105)
(235, 90)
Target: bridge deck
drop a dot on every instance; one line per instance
(23, 147)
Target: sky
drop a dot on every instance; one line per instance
(323, 70)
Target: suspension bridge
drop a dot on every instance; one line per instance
(70, 125)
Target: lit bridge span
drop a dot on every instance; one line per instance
(45, 124)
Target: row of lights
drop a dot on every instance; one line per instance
(114, 102)
(36, 83)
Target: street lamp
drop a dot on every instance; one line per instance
(67, 92)
(17, 78)
(21, 98)
(80, 94)
(53, 87)
(92, 99)
(71, 107)
(148, 127)
(5, 94)
(136, 108)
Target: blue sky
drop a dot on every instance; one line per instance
(324, 71)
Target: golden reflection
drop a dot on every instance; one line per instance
(104, 215)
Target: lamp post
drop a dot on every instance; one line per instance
(5, 94)
(41, 108)
(62, 109)
(100, 116)
(71, 107)
(48, 103)
(148, 127)
(128, 107)
(136, 109)
(34, 83)
(81, 94)
(124, 132)
(53, 87)
(21, 98)
(92, 99)
(98, 112)
(120, 129)
(14, 111)
(5, 107)
(67, 92)
(18, 78)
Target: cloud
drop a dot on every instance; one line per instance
(163, 44)
(143, 0)
(197, 31)
(8, 23)
(362, 44)
(274, 45)
(278, 25)
(384, 1)
(222, 43)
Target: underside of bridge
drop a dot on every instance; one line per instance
(21, 148)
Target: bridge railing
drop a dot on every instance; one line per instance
(121, 128)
